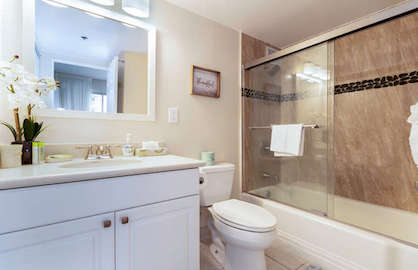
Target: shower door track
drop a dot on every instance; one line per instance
(378, 17)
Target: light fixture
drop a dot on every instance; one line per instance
(104, 2)
(54, 4)
(94, 15)
(138, 8)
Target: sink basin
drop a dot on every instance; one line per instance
(103, 163)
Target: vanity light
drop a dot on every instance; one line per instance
(138, 8)
(54, 4)
(94, 15)
(104, 2)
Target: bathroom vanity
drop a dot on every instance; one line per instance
(87, 216)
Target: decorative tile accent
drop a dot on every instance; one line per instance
(252, 93)
(385, 81)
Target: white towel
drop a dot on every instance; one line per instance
(287, 140)
(413, 137)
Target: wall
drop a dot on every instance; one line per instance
(183, 39)
(372, 154)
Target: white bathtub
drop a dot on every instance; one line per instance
(334, 245)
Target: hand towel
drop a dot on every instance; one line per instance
(413, 137)
(287, 140)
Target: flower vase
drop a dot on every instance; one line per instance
(27, 153)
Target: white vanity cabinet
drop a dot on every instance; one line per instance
(140, 222)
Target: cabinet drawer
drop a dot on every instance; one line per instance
(37, 206)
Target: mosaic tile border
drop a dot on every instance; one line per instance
(251, 93)
(382, 82)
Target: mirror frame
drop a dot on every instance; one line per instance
(122, 18)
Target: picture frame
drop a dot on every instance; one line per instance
(206, 82)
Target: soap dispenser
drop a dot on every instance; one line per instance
(128, 149)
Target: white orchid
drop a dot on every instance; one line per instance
(24, 90)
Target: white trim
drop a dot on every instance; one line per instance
(74, 63)
(152, 46)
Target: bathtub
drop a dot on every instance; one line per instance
(334, 245)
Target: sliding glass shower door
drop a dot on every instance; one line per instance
(293, 89)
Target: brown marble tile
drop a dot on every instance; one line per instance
(372, 155)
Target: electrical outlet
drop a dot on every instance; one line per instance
(173, 115)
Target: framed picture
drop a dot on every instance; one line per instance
(206, 82)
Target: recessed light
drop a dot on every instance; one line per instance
(104, 2)
(128, 25)
(54, 4)
(94, 15)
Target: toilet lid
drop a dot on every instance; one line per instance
(245, 215)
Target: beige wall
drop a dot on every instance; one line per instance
(205, 124)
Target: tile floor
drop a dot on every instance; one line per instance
(279, 256)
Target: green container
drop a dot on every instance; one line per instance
(208, 157)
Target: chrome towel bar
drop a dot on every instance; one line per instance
(305, 126)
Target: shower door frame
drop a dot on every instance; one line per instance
(381, 16)
(354, 26)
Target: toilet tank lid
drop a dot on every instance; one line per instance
(219, 167)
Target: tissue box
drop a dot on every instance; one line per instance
(141, 152)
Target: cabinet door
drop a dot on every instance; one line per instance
(83, 244)
(162, 236)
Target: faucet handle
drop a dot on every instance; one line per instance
(89, 149)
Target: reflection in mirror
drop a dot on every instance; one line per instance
(101, 64)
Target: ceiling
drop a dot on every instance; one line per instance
(283, 22)
(59, 30)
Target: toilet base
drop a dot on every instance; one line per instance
(238, 258)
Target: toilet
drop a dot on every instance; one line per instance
(240, 231)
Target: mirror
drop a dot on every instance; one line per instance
(105, 66)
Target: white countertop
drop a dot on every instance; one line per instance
(54, 173)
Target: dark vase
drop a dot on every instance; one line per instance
(27, 153)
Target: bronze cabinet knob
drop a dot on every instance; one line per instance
(107, 223)
(124, 220)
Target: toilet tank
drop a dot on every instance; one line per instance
(216, 183)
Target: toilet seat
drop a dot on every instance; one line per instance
(244, 216)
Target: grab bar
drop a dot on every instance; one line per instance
(305, 126)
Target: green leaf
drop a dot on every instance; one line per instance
(28, 130)
(11, 128)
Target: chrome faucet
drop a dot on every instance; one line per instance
(100, 152)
